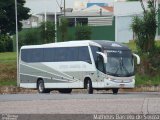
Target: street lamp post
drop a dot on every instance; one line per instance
(55, 20)
(64, 7)
(17, 49)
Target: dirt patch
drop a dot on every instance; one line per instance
(8, 71)
(15, 90)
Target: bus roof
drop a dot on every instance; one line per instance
(111, 45)
(63, 44)
(104, 44)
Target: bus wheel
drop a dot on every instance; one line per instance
(89, 87)
(40, 86)
(115, 90)
(65, 90)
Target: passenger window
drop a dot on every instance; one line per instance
(84, 54)
(72, 54)
(61, 54)
(49, 54)
(32, 55)
(24, 55)
(36, 55)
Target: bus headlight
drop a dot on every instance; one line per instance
(121, 81)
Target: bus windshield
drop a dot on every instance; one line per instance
(120, 63)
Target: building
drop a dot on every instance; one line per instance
(33, 22)
(111, 22)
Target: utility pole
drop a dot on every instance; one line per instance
(55, 26)
(17, 48)
(64, 7)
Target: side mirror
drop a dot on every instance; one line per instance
(138, 58)
(103, 55)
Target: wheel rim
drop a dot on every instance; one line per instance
(41, 87)
(88, 86)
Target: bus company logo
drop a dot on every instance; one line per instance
(115, 45)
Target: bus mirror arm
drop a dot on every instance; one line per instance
(103, 55)
(138, 58)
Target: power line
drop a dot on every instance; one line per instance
(59, 5)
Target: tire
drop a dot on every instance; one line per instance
(115, 90)
(65, 90)
(41, 87)
(89, 87)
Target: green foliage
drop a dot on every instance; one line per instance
(63, 29)
(29, 37)
(6, 43)
(154, 60)
(132, 45)
(8, 83)
(83, 32)
(150, 62)
(7, 68)
(7, 15)
(132, 0)
(34, 36)
(145, 31)
(7, 56)
(47, 31)
(146, 80)
(145, 28)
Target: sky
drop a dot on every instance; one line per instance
(38, 6)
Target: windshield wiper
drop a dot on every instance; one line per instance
(124, 67)
(121, 67)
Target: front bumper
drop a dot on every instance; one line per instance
(130, 83)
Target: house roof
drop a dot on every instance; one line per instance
(50, 13)
(88, 14)
(95, 8)
(110, 9)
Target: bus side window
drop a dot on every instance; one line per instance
(32, 55)
(84, 54)
(49, 55)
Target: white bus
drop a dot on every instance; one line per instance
(87, 64)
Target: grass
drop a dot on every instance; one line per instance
(142, 80)
(7, 57)
(158, 43)
(8, 83)
(132, 45)
(8, 68)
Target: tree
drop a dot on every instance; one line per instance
(145, 27)
(83, 32)
(6, 43)
(29, 36)
(47, 30)
(132, 0)
(64, 29)
(145, 30)
(7, 15)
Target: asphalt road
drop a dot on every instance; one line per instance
(99, 103)
(100, 95)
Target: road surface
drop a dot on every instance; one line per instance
(99, 103)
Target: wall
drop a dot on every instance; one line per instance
(98, 32)
(124, 12)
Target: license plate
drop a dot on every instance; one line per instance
(121, 85)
